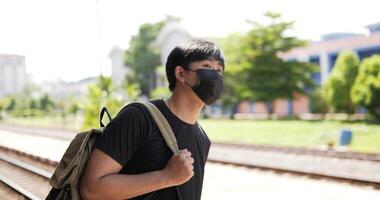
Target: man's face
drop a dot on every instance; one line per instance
(189, 78)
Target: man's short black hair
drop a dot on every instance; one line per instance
(194, 50)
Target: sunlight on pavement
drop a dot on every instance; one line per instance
(231, 182)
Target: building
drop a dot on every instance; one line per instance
(169, 36)
(118, 70)
(324, 54)
(13, 77)
(61, 91)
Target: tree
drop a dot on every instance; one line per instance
(162, 89)
(235, 64)
(19, 105)
(132, 89)
(99, 95)
(337, 88)
(266, 76)
(46, 104)
(366, 88)
(7, 104)
(318, 103)
(33, 104)
(105, 84)
(160, 92)
(11, 105)
(142, 57)
(74, 106)
(92, 106)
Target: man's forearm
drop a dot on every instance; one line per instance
(125, 186)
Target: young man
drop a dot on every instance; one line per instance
(131, 159)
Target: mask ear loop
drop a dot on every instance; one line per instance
(188, 84)
(198, 81)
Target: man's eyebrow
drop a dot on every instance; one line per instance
(220, 63)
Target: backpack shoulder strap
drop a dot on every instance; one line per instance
(164, 126)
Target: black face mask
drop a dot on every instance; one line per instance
(209, 86)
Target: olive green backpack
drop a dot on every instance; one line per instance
(66, 177)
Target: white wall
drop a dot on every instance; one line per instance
(12, 74)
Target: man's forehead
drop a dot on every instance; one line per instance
(213, 62)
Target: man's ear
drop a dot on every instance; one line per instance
(178, 72)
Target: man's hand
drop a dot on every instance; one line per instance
(179, 168)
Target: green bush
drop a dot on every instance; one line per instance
(318, 103)
(366, 89)
(336, 90)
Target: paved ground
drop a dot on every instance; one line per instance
(356, 169)
(226, 182)
(221, 181)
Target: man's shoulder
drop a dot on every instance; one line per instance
(156, 102)
(137, 110)
(133, 110)
(138, 107)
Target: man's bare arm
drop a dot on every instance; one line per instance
(102, 181)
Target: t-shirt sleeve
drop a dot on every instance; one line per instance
(124, 134)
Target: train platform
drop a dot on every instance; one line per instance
(350, 168)
(223, 181)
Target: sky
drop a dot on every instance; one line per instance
(70, 39)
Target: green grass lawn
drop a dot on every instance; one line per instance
(68, 123)
(366, 137)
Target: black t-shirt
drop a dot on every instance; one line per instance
(134, 140)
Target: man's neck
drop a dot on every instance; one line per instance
(185, 108)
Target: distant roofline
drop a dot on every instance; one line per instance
(374, 25)
(318, 47)
(9, 55)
